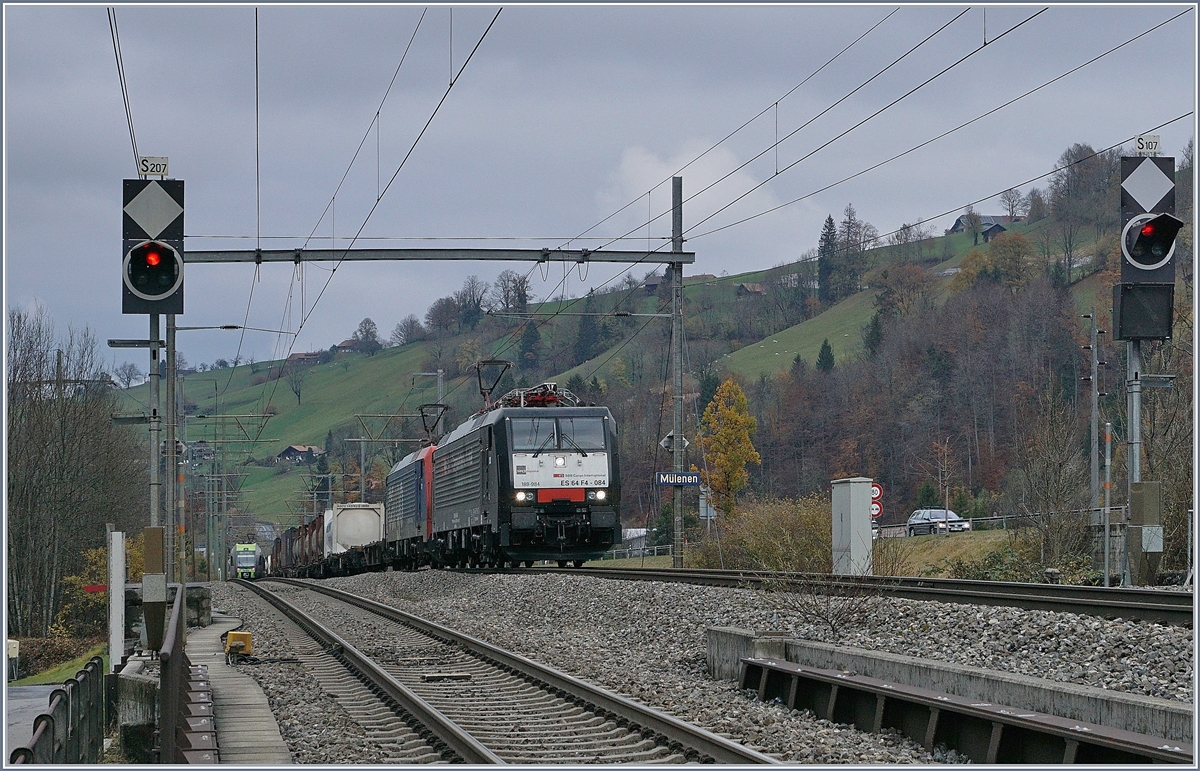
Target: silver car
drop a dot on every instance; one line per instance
(935, 521)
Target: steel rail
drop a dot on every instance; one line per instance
(1165, 607)
(446, 731)
(676, 732)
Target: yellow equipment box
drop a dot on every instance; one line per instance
(239, 642)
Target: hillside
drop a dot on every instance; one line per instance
(331, 394)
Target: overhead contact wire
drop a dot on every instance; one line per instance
(731, 134)
(949, 132)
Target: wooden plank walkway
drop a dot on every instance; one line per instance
(247, 734)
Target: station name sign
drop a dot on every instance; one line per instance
(671, 478)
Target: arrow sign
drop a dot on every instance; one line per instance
(876, 491)
(668, 442)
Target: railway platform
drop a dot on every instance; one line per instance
(247, 734)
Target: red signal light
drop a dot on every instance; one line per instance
(153, 259)
(1148, 230)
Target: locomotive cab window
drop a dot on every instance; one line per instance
(533, 434)
(544, 434)
(581, 433)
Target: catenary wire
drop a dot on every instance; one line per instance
(971, 203)
(873, 115)
(116, 41)
(951, 131)
(731, 134)
(796, 162)
(809, 122)
(306, 314)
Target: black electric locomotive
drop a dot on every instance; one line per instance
(532, 478)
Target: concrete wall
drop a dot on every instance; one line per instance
(137, 711)
(1141, 714)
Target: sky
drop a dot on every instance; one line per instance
(562, 128)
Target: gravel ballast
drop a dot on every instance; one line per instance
(646, 640)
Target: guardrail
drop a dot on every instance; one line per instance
(72, 732)
(183, 737)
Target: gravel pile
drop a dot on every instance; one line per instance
(646, 641)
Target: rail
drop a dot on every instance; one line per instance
(447, 733)
(716, 748)
(1166, 607)
(72, 731)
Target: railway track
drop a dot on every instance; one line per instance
(460, 699)
(1164, 607)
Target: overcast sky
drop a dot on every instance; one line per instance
(563, 116)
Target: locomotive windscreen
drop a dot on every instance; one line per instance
(581, 433)
(532, 434)
(540, 434)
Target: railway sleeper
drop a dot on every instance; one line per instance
(984, 732)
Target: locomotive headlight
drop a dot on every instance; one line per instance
(523, 496)
(601, 495)
(560, 461)
(591, 496)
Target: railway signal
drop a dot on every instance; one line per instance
(152, 234)
(1143, 302)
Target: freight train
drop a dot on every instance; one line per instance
(533, 476)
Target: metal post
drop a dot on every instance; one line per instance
(1133, 385)
(1107, 499)
(362, 471)
(155, 480)
(1133, 396)
(1095, 383)
(169, 466)
(677, 354)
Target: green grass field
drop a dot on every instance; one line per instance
(841, 325)
(67, 669)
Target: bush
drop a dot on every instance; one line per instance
(794, 535)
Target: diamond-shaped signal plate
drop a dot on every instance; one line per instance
(1147, 185)
(153, 210)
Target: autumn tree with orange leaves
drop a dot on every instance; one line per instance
(725, 437)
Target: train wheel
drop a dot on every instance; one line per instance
(578, 563)
(562, 563)
(528, 563)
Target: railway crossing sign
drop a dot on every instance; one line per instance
(152, 251)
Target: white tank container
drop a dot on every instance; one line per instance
(352, 524)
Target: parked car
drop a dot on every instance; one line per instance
(933, 521)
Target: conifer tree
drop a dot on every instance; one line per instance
(827, 261)
(825, 356)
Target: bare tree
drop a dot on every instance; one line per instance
(973, 223)
(127, 373)
(407, 331)
(470, 301)
(511, 294)
(70, 470)
(295, 377)
(1013, 202)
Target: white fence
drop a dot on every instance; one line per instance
(641, 551)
